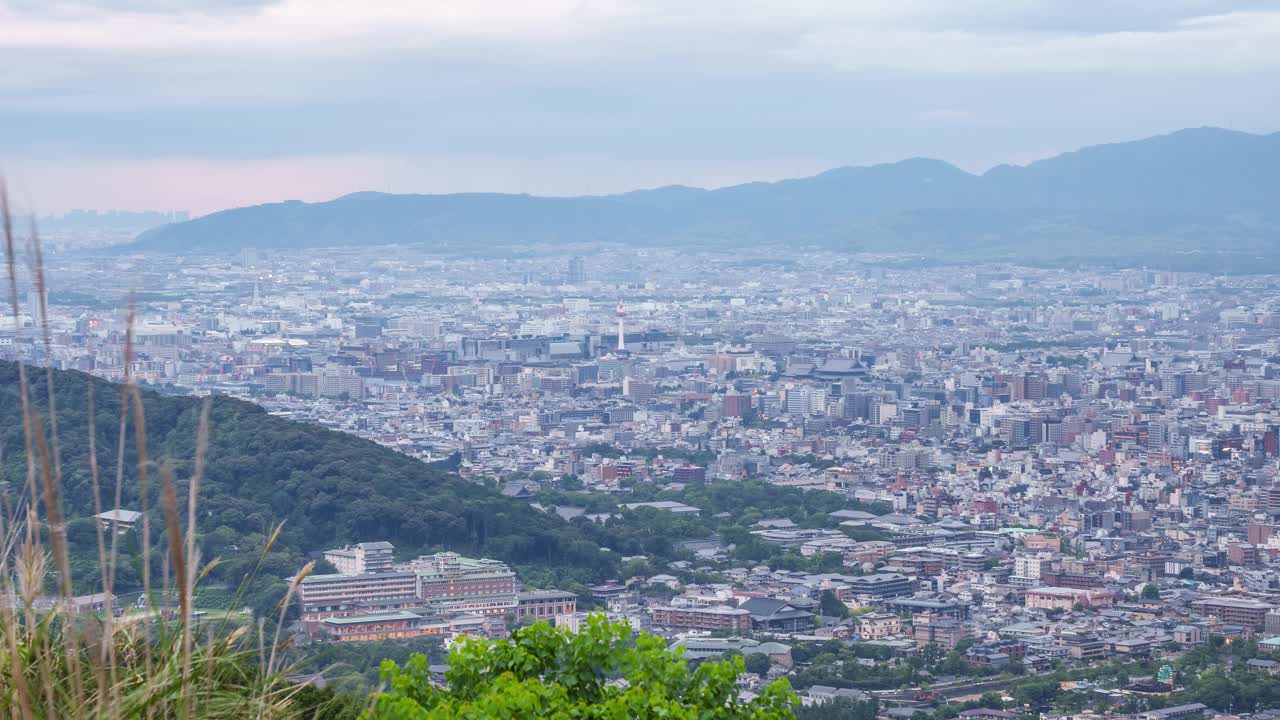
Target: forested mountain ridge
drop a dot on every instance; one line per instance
(330, 488)
(1193, 191)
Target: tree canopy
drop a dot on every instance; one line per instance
(603, 671)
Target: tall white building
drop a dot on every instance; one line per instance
(362, 558)
(335, 380)
(621, 312)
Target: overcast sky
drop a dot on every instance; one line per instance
(206, 104)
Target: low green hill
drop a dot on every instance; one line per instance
(330, 488)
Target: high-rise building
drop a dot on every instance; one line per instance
(339, 380)
(577, 271)
(1031, 566)
(1035, 386)
(798, 401)
(857, 406)
(640, 392)
(1053, 432)
(807, 401)
(621, 314)
(1259, 534)
(737, 405)
(1016, 431)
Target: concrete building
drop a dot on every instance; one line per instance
(545, 604)
(1054, 598)
(449, 576)
(322, 596)
(386, 626)
(367, 557)
(701, 618)
(1238, 611)
(881, 585)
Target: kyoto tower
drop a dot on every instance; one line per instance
(622, 331)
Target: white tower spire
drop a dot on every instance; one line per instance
(622, 331)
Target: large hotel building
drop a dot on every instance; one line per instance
(373, 605)
(448, 576)
(324, 596)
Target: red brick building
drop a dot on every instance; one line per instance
(384, 626)
(545, 604)
(708, 618)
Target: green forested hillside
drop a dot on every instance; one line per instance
(330, 488)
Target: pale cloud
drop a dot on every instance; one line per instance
(163, 7)
(1234, 42)
(293, 25)
(923, 36)
(270, 99)
(946, 117)
(915, 35)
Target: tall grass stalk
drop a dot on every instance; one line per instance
(59, 662)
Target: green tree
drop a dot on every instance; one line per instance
(831, 605)
(1036, 692)
(840, 709)
(543, 672)
(991, 700)
(312, 703)
(757, 663)
(931, 654)
(1150, 592)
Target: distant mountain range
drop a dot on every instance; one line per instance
(1204, 190)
